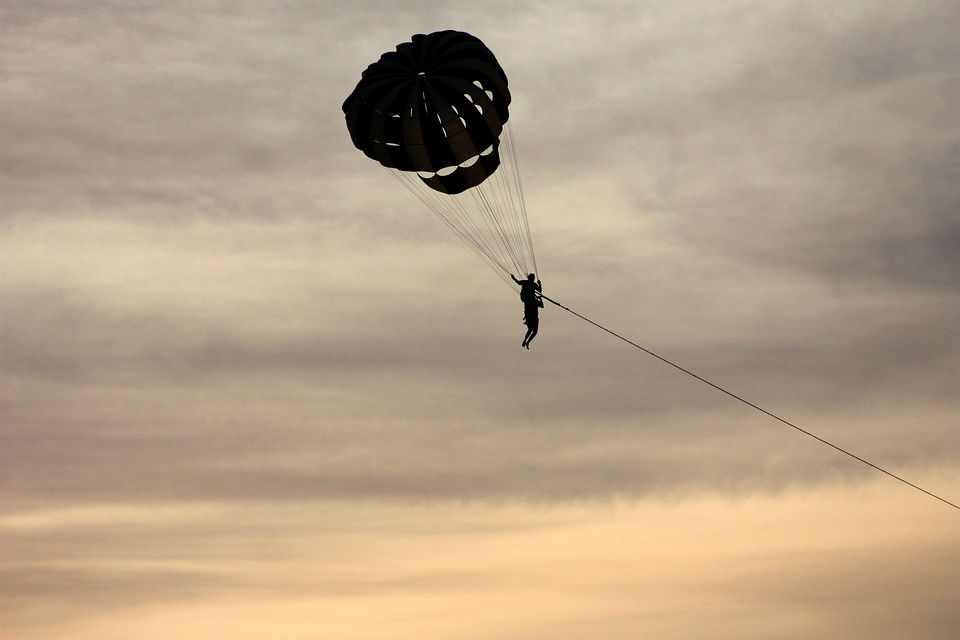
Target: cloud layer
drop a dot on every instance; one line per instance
(208, 297)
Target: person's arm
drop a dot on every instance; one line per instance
(539, 286)
(520, 282)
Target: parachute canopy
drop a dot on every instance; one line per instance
(435, 112)
(435, 105)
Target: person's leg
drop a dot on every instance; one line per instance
(531, 334)
(533, 325)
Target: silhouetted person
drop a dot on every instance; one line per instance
(530, 295)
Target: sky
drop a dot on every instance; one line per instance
(251, 388)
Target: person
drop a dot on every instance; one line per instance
(530, 295)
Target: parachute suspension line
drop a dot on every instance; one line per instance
(752, 405)
(490, 218)
(505, 217)
(507, 182)
(457, 222)
(510, 220)
(494, 217)
(512, 162)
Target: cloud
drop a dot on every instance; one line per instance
(209, 299)
(208, 292)
(142, 381)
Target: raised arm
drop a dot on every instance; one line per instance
(515, 279)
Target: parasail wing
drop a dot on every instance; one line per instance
(437, 106)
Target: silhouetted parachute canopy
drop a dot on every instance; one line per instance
(434, 112)
(437, 106)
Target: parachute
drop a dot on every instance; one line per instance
(434, 112)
